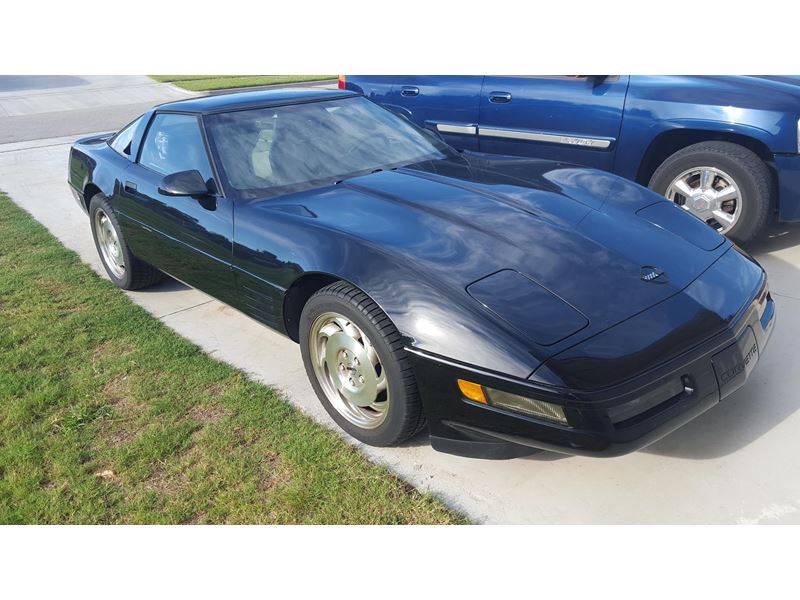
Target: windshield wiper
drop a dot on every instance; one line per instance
(359, 174)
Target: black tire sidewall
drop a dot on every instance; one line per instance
(388, 432)
(99, 202)
(751, 200)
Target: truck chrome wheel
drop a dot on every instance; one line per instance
(349, 370)
(110, 248)
(710, 194)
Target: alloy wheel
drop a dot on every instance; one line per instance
(349, 370)
(110, 247)
(710, 194)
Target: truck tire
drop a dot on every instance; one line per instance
(724, 184)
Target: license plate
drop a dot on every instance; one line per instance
(733, 365)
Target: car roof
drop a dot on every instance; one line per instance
(257, 99)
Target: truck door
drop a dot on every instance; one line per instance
(568, 118)
(447, 104)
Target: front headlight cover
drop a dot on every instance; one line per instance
(531, 407)
(527, 406)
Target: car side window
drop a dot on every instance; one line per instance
(121, 142)
(173, 144)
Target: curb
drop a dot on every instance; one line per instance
(254, 88)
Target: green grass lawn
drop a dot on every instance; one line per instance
(107, 416)
(198, 83)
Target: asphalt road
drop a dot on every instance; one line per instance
(33, 108)
(737, 463)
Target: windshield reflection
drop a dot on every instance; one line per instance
(285, 149)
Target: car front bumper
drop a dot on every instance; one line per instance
(611, 422)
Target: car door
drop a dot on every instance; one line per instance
(188, 237)
(568, 118)
(447, 104)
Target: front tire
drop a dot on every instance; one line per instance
(724, 184)
(355, 360)
(122, 267)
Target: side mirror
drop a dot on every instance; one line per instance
(184, 183)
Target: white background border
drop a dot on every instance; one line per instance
(425, 37)
(412, 36)
(378, 563)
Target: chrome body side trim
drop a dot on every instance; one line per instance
(450, 128)
(535, 136)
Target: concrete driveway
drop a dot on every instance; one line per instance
(738, 463)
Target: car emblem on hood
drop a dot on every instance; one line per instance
(653, 275)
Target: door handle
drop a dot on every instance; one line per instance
(130, 186)
(409, 91)
(499, 97)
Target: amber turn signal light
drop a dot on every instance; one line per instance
(531, 407)
(472, 391)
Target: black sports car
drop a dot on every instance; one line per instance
(508, 303)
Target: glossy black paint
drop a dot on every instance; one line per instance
(188, 237)
(184, 183)
(603, 422)
(423, 241)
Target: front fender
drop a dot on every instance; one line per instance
(728, 106)
(635, 145)
(432, 316)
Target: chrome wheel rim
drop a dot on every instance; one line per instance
(110, 248)
(710, 194)
(349, 370)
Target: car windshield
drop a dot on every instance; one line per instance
(269, 151)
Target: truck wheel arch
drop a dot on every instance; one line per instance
(666, 143)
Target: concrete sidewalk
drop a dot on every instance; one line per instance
(737, 463)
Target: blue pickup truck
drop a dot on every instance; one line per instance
(724, 148)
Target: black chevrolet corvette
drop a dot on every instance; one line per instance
(505, 303)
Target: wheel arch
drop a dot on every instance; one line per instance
(90, 190)
(298, 294)
(670, 141)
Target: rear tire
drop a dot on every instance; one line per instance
(345, 337)
(743, 167)
(122, 267)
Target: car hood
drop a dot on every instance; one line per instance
(585, 243)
